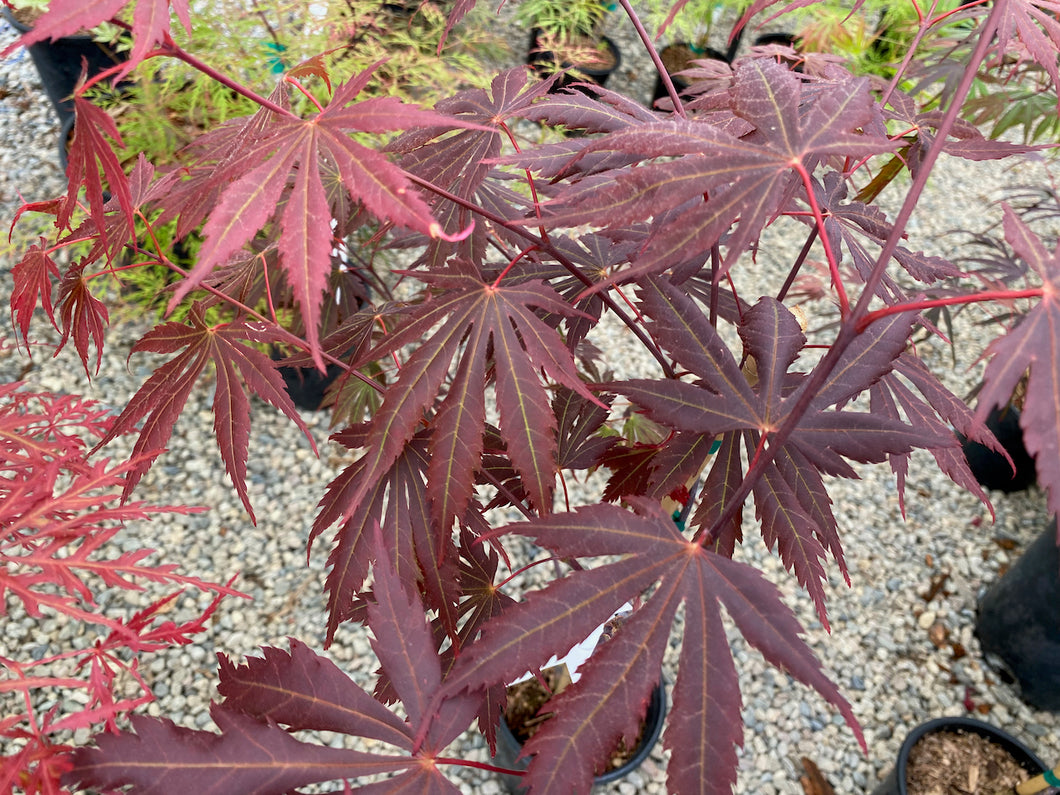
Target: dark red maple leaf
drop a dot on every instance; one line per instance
(790, 498)
(578, 420)
(276, 160)
(91, 153)
(397, 501)
(1031, 349)
(32, 277)
(150, 22)
(616, 682)
(936, 410)
(745, 180)
(83, 316)
(238, 367)
(460, 161)
(493, 333)
(850, 225)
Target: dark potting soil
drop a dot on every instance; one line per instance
(676, 57)
(961, 763)
(525, 699)
(27, 16)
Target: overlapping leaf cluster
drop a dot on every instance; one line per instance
(492, 394)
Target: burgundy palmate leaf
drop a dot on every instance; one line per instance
(631, 470)
(239, 368)
(790, 498)
(617, 679)
(851, 225)
(83, 317)
(717, 494)
(678, 462)
(397, 500)
(474, 321)
(281, 157)
(1031, 349)
(270, 696)
(316, 694)
(599, 112)
(455, 160)
(578, 420)
(459, 161)
(402, 640)
(247, 756)
(745, 180)
(478, 569)
(891, 393)
(788, 527)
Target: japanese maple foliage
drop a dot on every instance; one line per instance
(58, 515)
(489, 392)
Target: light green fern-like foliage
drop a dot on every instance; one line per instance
(562, 19)
(257, 40)
(700, 23)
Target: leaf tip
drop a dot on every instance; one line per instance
(437, 233)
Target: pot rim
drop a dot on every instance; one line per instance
(23, 28)
(656, 706)
(1024, 756)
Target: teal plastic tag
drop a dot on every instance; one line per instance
(275, 62)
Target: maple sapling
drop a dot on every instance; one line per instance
(480, 390)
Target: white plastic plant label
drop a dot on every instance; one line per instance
(581, 652)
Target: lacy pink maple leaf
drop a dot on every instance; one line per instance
(59, 514)
(1031, 349)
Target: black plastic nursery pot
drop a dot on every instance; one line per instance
(508, 747)
(307, 386)
(542, 61)
(1018, 623)
(676, 57)
(991, 469)
(895, 783)
(59, 63)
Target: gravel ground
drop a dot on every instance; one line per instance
(879, 651)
